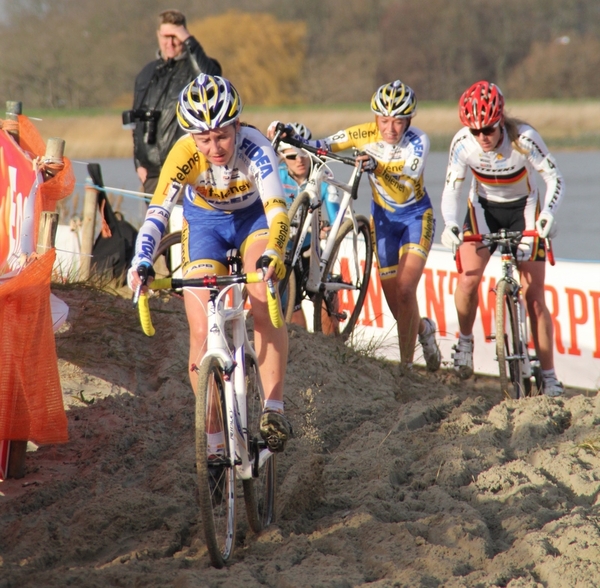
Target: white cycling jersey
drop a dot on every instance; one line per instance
(503, 175)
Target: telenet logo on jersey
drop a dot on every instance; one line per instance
(257, 155)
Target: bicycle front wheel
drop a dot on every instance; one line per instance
(260, 490)
(297, 215)
(337, 311)
(216, 472)
(509, 347)
(167, 257)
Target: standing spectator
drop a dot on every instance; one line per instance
(180, 60)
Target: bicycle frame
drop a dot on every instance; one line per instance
(233, 358)
(319, 257)
(507, 240)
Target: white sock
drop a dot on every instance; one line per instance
(274, 405)
(549, 374)
(465, 337)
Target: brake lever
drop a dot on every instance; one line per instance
(143, 272)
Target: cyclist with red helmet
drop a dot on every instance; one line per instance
(232, 199)
(502, 154)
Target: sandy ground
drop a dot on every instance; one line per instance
(421, 481)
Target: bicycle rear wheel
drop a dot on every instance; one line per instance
(297, 215)
(509, 347)
(216, 474)
(350, 266)
(167, 257)
(260, 490)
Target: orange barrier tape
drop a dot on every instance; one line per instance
(31, 403)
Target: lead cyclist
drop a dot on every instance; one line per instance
(402, 221)
(233, 199)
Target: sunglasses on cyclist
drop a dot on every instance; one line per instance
(486, 131)
(291, 156)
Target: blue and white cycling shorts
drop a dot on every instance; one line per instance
(396, 233)
(207, 236)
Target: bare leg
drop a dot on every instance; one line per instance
(533, 274)
(401, 294)
(271, 344)
(473, 259)
(196, 301)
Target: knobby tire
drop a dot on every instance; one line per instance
(216, 496)
(297, 215)
(509, 348)
(259, 492)
(350, 301)
(164, 250)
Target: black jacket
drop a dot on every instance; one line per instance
(157, 88)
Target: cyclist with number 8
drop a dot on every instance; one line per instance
(402, 221)
(502, 154)
(233, 199)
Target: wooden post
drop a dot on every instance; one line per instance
(12, 110)
(55, 149)
(47, 232)
(90, 204)
(16, 459)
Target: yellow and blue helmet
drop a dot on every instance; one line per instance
(208, 103)
(395, 99)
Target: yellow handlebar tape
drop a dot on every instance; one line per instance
(145, 318)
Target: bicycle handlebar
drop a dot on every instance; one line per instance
(318, 152)
(213, 282)
(509, 237)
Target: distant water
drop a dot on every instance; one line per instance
(578, 218)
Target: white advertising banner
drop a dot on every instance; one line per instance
(572, 296)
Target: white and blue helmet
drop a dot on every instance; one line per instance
(208, 103)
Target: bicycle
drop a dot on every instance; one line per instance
(520, 373)
(229, 400)
(339, 270)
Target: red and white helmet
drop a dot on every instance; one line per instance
(482, 105)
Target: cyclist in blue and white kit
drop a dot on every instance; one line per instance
(233, 199)
(402, 219)
(294, 171)
(502, 154)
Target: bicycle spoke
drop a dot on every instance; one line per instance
(347, 272)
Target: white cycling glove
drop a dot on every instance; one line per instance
(546, 225)
(133, 271)
(452, 238)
